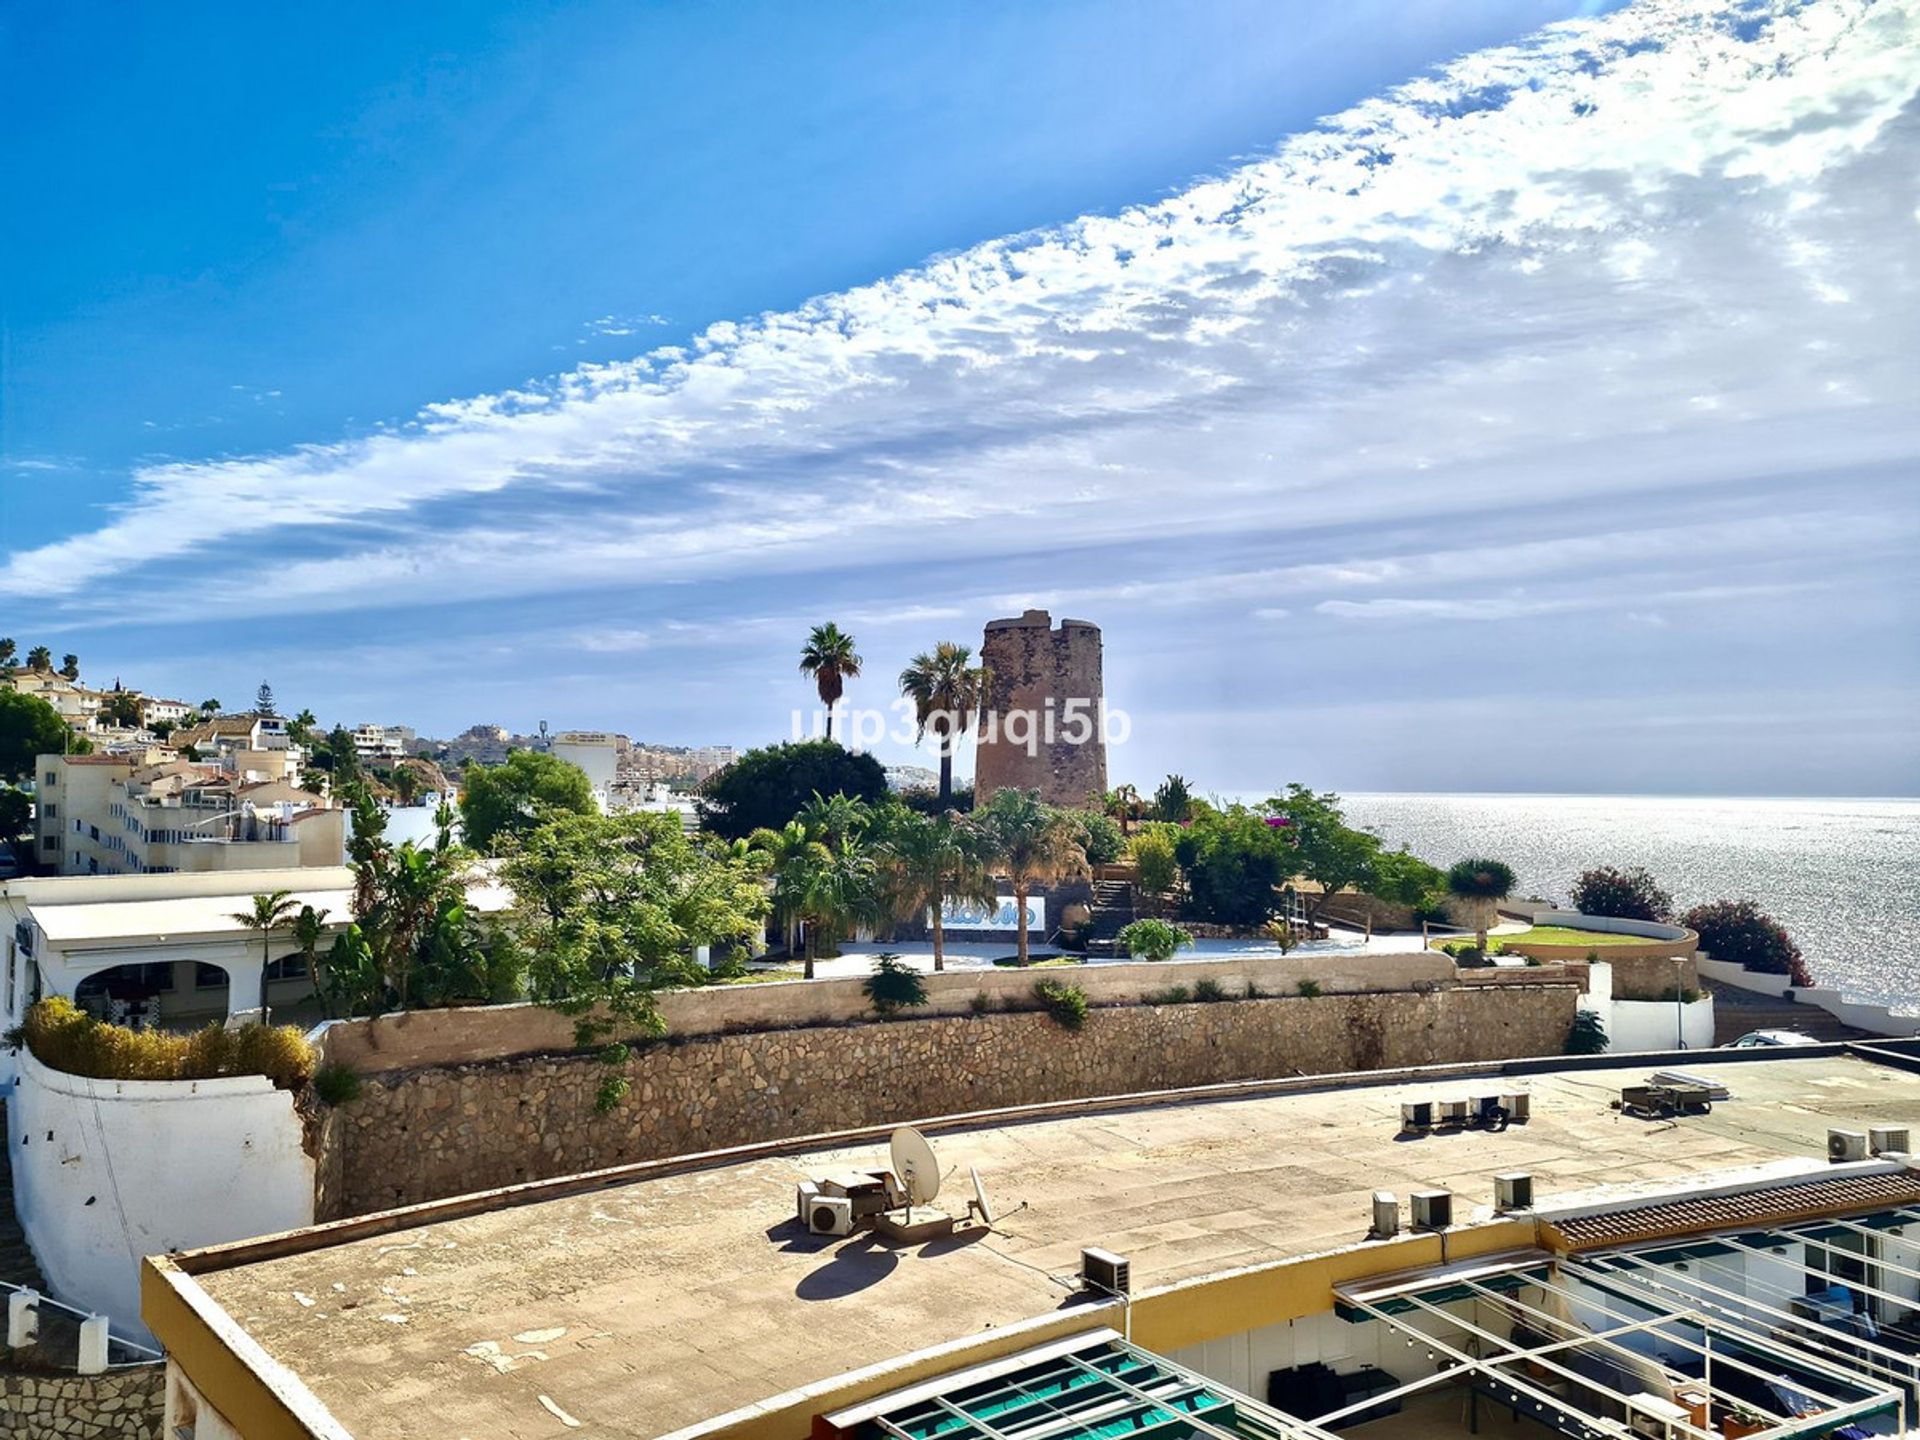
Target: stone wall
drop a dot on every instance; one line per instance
(1037, 671)
(427, 1133)
(116, 1405)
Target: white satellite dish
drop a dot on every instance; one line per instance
(914, 1163)
(980, 1205)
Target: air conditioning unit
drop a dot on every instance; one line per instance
(1386, 1215)
(1432, 1209)
(830, 1215)
(1846, 1145)
(1453, 1112)
(1104, 1270)
(1518, 1105)
(1513, 1191)
(1416, 1115)
(1889, 1140)
(804, 1194)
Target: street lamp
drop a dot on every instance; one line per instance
(1679, 1003)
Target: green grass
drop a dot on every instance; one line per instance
(760, 977)
(1548, 935)
(1012, 962)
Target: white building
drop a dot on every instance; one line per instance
(376, 746)
(598, 753)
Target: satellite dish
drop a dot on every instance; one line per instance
(913, 1162)
(980, 1205)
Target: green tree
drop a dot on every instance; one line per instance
(1154, 850)
(1234, 863)
(209, 708)
(30, 727)
(1031, 843)
(948, 692)
(40, 658)
(267, 914)
(70, 667)
(300, 728)
(9, 650)
(1482, 884)
(263, 700)
(929, 862)
(406, 783)
(614, 907)
(1173, 801)
(308, 928)
(1326, 850)
(122, 707)
(514, 798)
(829, 657)
(791, 855)
(16, 814)
(835, 820)
(1404, 878)
(764, 789)
(1100, 837)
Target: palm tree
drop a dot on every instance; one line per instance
(309, 926)
(928, 861)
(837, 895)
(835, 820)
(209, 707)
(947, 691)
(830, 658)
(1483, 884)
(70, 666)
(8, 649)
(40, 658)
(269, 913)
(792, 854)
(406, 784)
(1032, 844)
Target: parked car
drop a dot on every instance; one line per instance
(1757, 1039)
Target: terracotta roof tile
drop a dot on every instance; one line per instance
(1774, 1205)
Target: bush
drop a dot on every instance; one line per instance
(894, 985)
(1153, 939)
(981, 1003)
(1588, 1036)
(1739, 932)
(1208, 991)
(1101, 837)
(1432, 908)
(1234, 861)
(336, 1084)
(1067, 1004)
(63, 1036)
(1152, 849)
(1403, 878)
(1172, 995)
(1621, 894)
(1480, 879)
(1310, 990)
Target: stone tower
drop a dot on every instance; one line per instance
(1031, 738)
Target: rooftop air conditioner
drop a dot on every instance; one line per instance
(1104, 1270)
(1518, 1105)
(1432, 1209)
(1453, 1112)
(830, 1215)
(1386, 1215)
(1416, 1115)
(804, 1194)
(1889, 1140)
(1846, 1145)
(1513, 1191)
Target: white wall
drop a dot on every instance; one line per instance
(1652, 929)
(106, 1171)
(1647, 1024)
(1875, 1019)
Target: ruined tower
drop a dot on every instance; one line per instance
(1042, 727)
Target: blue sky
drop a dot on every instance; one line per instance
(1417, 399)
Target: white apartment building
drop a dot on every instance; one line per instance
(376, 745)
(598, 753)
(156, 711)
(75, 703)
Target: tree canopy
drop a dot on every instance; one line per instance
(30, 727)
(514, 798)
(764, 789)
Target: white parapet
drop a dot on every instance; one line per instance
(23, 1318)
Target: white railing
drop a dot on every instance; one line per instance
(97, 1342)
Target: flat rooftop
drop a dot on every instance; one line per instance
(643, 1307)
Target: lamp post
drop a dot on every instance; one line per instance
(1679, 1003)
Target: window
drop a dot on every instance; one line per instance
(287, 967)
(50, 779)
(208, 977)
(49, 842)
(53, 810)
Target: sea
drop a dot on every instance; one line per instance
(1842, 875)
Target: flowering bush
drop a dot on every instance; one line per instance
(1622, 894)
(1738, 931)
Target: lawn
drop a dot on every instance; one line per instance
(759, 977)
(1567, 935)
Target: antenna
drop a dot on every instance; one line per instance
(914, 1163)
(979, 1204)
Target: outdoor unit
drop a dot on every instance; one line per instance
(804, 1194)
(1386, 1215)
(1846, 1145)
(1889, 1140)
(1518, 1105)
(1432, 1209)
(1453, 1112)
(1513, 1191)
(1416, 1115)
(830, 1215)
(1104, 1270)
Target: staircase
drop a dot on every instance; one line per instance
(1112, 913)
(17, 1265)
(1737, 1011)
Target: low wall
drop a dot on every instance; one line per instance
(493, 1032)
(427, 1133)
(114, 1405)
(1875, 1019)
(106, 1171)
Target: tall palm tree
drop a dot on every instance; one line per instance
(40, 658)
(270, 912)
(838, 895)
(948, 691)
(308, 929)
(8, 649)
(836, 819)
(829, 657)
(209, 707)
(930, 861)
(792, 855)
(1031, 844)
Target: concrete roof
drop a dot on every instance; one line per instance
(121, 921)
(644, 1307)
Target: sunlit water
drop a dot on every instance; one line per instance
(1842, 875)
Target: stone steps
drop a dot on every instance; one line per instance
(1737, 1012)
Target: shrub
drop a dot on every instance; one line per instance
(1432, 908)
(1310, 990)
(1153, 939)
(1101, 837)
(1739, 932)
(1588, 1035)
(1209, 991)
(1480, 879)
(63, 1036)
(1254, 992)
(336, 1084)
(1065, 1003)
(981, 1003)
(1403, 878)
(1622, 894)
(1234, 862)
(1152, 850)
(894, 985)
(1172, 995)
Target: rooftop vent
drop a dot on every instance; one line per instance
(1386, 1215)
(1432, 1209)
(1513, 1191)
(1104, 1270)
